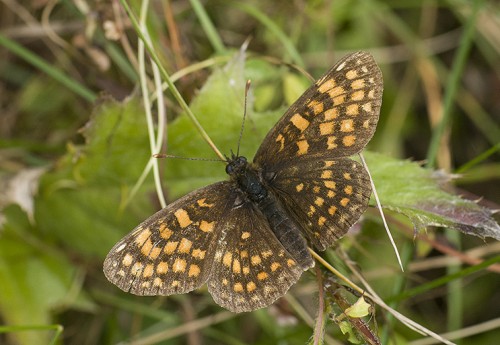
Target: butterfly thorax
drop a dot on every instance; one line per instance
(287, 231)
(247, 178)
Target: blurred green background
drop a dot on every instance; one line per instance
(74, 142)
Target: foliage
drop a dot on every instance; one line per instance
(74, 142)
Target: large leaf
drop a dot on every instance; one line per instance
(79, 200)
(219, 107)
(407, 188)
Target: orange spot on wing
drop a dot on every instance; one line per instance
(330, 142)
(194, 271)
(326, 174)
(303, 147)
(198, 254)
(349, 140)
(148, 271)
(347, 126)
(344, 202)
(165, 232)
(299, 122)
(358, 95)
(179, 265)
(185, 246)
(127, 260)
(262, 275)
(251, 286)
(316, 106)
(207, 226)
(162, 268)
(336, 91)
(236, 266)
(326, 128)
(351, 74)
(154, 253)
(330, 184)
(326, 85)
(227, 259)
(255, 260)
(183, 218)
(170, 247)
(143, 237)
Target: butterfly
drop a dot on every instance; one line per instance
(247, 238)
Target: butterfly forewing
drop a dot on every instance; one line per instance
(304, 157)
(326, 196)
(336, 116)
(172, 251)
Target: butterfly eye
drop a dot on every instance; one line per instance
(229, 169)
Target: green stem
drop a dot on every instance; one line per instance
(397, 288)
(42, 65)
(453, 83)
(177, 95)
(208, 27)
(444, 280)
(275, 29)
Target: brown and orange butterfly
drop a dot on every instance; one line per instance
(247, 237)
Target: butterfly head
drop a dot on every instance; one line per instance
(236, 164)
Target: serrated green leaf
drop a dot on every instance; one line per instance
(407, 188)
(117, 146)
(79, 200)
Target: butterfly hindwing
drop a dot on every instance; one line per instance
(325, 196)
(336, 116)
(251, 268)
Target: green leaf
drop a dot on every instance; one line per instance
(117, 146)
(79, 200)
(219, 107)
(35, 280)
(359, 309)
(294, 86)
(409, 189)
(346, 328)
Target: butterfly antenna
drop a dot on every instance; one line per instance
(163, 155)
(247, 88)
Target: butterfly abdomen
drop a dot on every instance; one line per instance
(286, 230)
